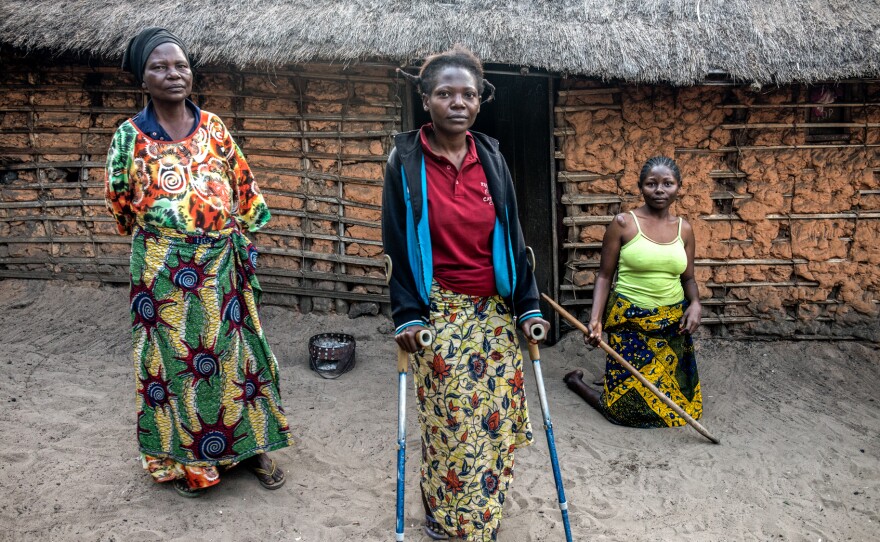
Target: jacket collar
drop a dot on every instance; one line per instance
(408, 143)
(409, 147)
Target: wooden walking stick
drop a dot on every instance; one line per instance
(633, 371)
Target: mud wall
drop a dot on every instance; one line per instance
(781, 187)
(316, 136)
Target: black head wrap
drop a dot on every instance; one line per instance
(139, 48)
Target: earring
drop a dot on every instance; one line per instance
(426, 107)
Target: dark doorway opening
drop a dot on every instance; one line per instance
(520, 118)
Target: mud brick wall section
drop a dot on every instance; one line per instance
(317, 138)
(783, 194)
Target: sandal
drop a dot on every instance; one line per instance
(433, 529)
(267, 477)
(183, 489)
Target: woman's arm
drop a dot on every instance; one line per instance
(117, 187)
(525, 295)
(407, 310)
(690, 321)
(611, 244)
(248, 205)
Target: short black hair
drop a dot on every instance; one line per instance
(458, 56)
(659, 161)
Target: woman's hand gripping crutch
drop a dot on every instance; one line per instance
(424, 338)
(537, 334)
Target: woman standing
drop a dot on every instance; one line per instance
(450, 226)
(207, 381)
(652, 311)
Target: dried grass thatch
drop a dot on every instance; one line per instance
(676, 41)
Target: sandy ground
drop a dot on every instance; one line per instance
(799, 460)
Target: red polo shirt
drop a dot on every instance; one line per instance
(461, 216)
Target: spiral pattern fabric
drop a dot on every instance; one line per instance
(200, 183)
(144, 307)
(156, 394)
(213, 445)
(207, 381)
(206, 364)
(232, 312)
(207, 392)
(186, 279)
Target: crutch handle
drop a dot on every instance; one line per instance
(425, 338)
(537, 332)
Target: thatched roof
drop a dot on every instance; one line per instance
(677, 41)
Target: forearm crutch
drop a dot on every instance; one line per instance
(425, 338)
(633, 371)
(537, 333)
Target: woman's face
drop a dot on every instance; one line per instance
(167, 76)
(454, 101)
(660, 187)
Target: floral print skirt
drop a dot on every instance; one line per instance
(650, 341)
(472, 412)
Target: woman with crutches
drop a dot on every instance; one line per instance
(652, 311)
(450, 227)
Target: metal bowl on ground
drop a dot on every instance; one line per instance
(331, 354)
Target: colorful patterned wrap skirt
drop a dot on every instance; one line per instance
(207, 381)
(649, 339)
(472, 412)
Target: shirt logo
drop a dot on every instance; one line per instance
(487, 198)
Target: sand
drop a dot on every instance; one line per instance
(799, 459)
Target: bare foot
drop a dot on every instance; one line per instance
(575, 382)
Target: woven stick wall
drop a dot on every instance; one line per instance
(317, 138)
(783, 194)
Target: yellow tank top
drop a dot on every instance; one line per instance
(648, 272)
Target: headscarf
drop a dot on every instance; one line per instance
(139, 48)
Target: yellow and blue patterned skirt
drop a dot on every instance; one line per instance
(207, 381)
(472, 412)
(649, 339)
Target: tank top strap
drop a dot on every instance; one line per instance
(639, 226)
(679, 228)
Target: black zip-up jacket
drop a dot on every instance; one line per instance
(406, 237)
